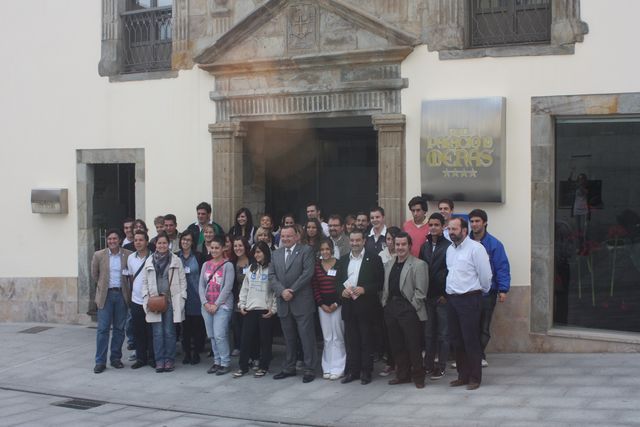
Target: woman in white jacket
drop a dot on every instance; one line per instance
(257, 303)
(164, 275)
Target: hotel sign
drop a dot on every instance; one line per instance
(462, 149)
(50, 200)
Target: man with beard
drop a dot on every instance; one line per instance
(469, 277)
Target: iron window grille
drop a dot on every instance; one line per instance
(509, 22)
(147, 40)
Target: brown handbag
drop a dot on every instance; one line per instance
(160, 303)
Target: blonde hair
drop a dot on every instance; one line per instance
(265, 231)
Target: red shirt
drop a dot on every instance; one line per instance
(418, 235)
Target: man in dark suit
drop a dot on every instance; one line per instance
(290, 277)
(360, 277)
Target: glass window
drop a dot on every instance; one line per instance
(597, 223)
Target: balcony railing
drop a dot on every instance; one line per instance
(509, 22)
(147, 40)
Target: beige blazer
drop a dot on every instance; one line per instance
(100, 275)
(177, 287)
(414, 283)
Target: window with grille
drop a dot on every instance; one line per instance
(509, 22)
(147, 36)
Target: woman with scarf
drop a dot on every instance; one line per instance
(164, 276)
(216, 294)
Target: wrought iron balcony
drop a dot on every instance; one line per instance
(509, 22)
(147, 40)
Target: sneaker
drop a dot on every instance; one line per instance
(260, 373)
(213, 369)
(454, 365)
(484, 363)
(326, 375)
(437, 374)
(386, 371)
(239, 373)
(235, 352)
(223, 370)
(334, 377)
(132, 357)
(256, 365)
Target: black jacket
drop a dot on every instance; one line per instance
(437, 260)
(370, 277)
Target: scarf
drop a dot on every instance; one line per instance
(160, 262)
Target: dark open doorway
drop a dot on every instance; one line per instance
(113, 197)
(333, 162)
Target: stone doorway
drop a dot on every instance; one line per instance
(290, 162)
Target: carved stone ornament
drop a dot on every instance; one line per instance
(302, 27)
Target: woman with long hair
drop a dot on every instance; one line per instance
(193, 325)
(312, 235)
(243, 225)
(334, 355)
(257, 303)
(240, 259)
(164, 276)
(216, 294)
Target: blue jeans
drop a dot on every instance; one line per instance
(436, 334)
(164, 338)
(217, 326)
(114, 313)
(128, 328)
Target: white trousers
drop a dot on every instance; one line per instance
(334, 355)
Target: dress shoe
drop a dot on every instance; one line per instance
(457, 383)
(187, 359)
(99, 368)
(396, 381)
(138, 364)
(281, 375)
(159, 368)
(307, 378)
(419, 384)
(349, 378)
(213, 369)
(473, 386)
(222, 370)
(117, 364)
(195, 359)
(365, 378)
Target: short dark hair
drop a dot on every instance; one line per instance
(418, 200)
(204, 205)
(447, 201)
(126, 220)
(171, 217)
(162, 234)
(437, 216)
(336, 216)
(285, 216)
(219, 239)
(362, 213)
(478, 213)
(141, 233)
(185, 234)
(393, 231)
(377, 209)
(314, 204)
(402, 235)
(142, 223)
(113, 231)
(463, 222)
(358, 231)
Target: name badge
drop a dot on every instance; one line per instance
(331, 272)
(187, 270)
(125, 272)
(245, 270)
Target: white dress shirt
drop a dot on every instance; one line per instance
(354, 267)
(469, 268)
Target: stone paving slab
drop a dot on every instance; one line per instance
(518, 389)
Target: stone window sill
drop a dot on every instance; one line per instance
(595, 335)
(507, 51)
(151, 75)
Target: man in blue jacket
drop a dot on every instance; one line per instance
(501, 280)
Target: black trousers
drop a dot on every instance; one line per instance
(464, 329)
(254, 325)
(142, 333)
(193, 334)
(359, 343)
(405, 337)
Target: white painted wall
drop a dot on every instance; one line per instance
(604, 63)
(53, 102)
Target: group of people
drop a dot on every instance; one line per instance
(407, 295)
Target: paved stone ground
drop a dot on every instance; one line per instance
(37, 370)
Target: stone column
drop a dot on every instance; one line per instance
(227, 139)
(391, 165)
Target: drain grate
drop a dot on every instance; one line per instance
(81, 404)
(36, 330)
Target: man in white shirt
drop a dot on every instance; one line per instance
(141, 329)
(313, 212)
(127, 227)
(469, 276)
(377, 238)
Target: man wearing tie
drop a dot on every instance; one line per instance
(290, 278)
